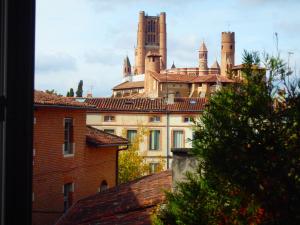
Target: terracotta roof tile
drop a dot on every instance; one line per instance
(129, 85)
(45, 99)
(213, 78)
(130, 203)
(172, 77)
(99, 138)
(179, 78)
(148, 104)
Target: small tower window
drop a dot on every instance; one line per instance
(230, 46)
(222, 46)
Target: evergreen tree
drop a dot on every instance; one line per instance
(68, 94)
(79, 91)
(71, 92)
(250, 151)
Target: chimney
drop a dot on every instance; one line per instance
(183, 161)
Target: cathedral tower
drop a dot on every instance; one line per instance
(151, 36)
(126, 67)
(203, 70)
(227, 52)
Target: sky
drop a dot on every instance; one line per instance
(89, 39)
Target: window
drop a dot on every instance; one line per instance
(154, 119)
(103, 186)
(68, 139)
(178, 140)
(153, 167)
(154, 140)
(188, 119)
(131, 134)
(109, 118)
(68, 195)
(110, 131)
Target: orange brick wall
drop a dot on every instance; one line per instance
(51, 170)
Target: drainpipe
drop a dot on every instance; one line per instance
(168, 140)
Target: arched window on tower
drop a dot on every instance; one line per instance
(154, 24)
(103, 186)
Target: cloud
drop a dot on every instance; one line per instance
(107, 57)
(110, 5)
(46, 63)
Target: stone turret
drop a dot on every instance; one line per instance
(152, 64)
(126, 67)
(203, 70)
(227, 52)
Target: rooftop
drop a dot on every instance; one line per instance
(100, 138)
(179, 78)
(148, 104)
(129, 85)
(45, 99)
(130, 203)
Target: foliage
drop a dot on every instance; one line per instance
(250, 151)
(71, 92)
(52, 92)
(79, 91)
(132, 164)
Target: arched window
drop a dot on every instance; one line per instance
(177, 94)
(103, 186)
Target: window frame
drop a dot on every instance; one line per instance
(110, 120)
(154, 121)
(159, 140)
(129, 130)
(173, 138)
(155, 165)
(70, 141)
(69, 196)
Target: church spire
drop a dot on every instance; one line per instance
(203, 59)
(126, 67)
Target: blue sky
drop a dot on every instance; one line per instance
(88, 39)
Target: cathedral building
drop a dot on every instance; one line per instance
(150, 76)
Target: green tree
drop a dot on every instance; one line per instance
(52, 92)
(71, 92)
(79, 91)
(68, 94)
(250, 151)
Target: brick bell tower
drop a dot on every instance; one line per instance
(227, 52)
(151, 37)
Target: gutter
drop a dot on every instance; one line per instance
(64, 106)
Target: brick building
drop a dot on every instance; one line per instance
(70, 159)
(150, 77)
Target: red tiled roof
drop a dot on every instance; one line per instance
(148, 104)
(45, 99)
(213, 78)
(172, 77)
(179, 78)
(130, 203)
(100, 138)
(129, 85)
